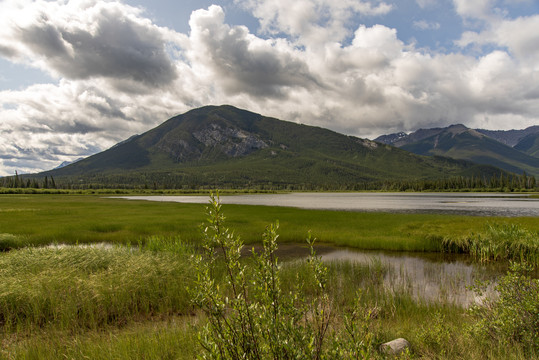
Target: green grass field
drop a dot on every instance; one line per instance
(71, 219)
(129, 299)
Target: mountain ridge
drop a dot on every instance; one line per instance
(460, 142)
(227, 146)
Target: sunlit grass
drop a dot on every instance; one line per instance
(173, 338)
(122, 302)
(71, 219)
(86, 287)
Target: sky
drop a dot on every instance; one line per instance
(78, 76)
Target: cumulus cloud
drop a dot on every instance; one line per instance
(311, 61)
(520, 36)
(477, 9)
(312, 22)
(85, 39)
(243, 63)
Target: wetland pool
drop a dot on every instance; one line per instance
(428, 277)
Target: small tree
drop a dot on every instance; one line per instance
(251, 317)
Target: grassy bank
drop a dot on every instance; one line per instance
(70, 219)
(87, 287)
(498, 242)
(79, 303)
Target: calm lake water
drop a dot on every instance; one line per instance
(475, 204)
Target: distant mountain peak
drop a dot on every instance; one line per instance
(65, 163)
(391, 138)
(460, 142)
(456, 128)
(510, 137)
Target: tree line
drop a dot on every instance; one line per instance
(503, 182)
(19, 182)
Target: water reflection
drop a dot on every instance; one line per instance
(427, 276)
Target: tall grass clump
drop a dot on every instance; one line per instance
(10, 241)
(167, 244)
(155, 340)
(498, 242)
(251, 316)
(87, 287)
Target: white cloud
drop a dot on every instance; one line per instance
(425, 3)
(85, 39)
(312, 22)
(425, 25)
(520, 36)
(476, 9)
(241, 62)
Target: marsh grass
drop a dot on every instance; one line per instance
(499, 241)
(437, 330)
(167, 244)
(87, 287)
(38, 220)
(10, 241)
(125, 299)
(173, 338)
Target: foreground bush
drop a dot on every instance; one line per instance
(513, 316)
(251, 317)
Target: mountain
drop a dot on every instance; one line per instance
(391, 138)
(510, 137)
(529, 144)
(460, 142)
(226, 146)
(65, 163)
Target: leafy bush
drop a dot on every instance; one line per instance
(513, 316)
(251, 317)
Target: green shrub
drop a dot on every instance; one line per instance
(513, 316)
(251, 317)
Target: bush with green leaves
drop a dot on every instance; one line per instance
(250, 316)
(512, 317)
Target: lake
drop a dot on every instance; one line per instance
(475, 204)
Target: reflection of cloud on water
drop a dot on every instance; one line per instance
(428, 278)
